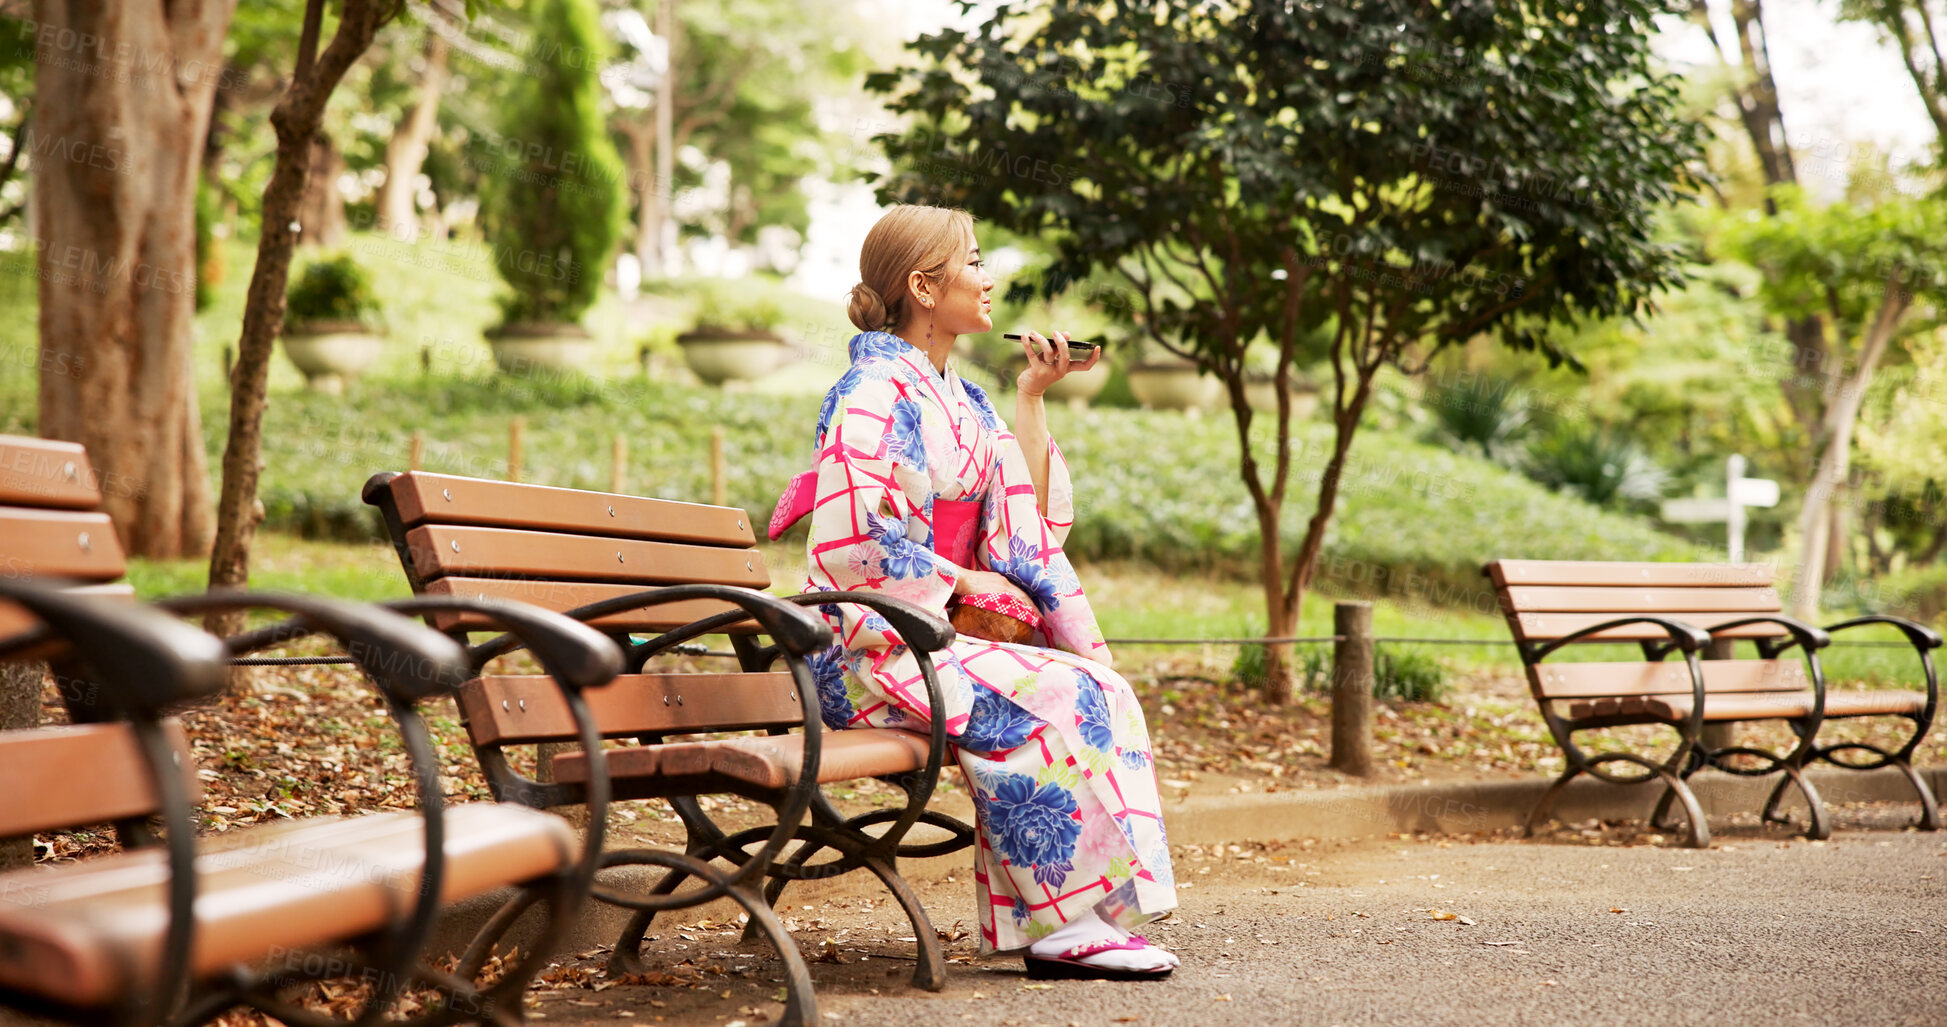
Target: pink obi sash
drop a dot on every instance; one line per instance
(956, 523)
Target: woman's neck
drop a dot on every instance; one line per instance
(942, 347)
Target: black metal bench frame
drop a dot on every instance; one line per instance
(145, 661)
(795, 635)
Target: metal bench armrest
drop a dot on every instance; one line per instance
(408, 661)
(146, 658)
(1922, 637)
(1687, 638)
(918, 628)
(796, 630)
(577, 656)
(1806, 636)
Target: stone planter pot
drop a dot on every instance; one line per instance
(525, 348)
(719, 357)
(1175, 387)
(1263, 397)
(330, 353)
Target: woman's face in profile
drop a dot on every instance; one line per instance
(965, 304)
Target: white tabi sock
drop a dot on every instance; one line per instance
(1088, 929)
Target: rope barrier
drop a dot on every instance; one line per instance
(696, 649)
(1403, 641)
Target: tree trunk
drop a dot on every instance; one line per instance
(296, 119)
(1837, 552)
(1280, 675)
(115, 208)
(1827, 488)
(1764, 124)
(322, 210)
(663, 252)
(1345, 424)
(642, 181)
(406, 151)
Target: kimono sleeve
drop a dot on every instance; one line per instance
(872, 481)
(1061, 495)
(1023, 546)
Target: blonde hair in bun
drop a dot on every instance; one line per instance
(910, 237)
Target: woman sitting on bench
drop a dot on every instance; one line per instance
(921, 492)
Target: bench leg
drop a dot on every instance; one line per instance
(627, 957)
(1819, 828)
(1929, 808)
(800, 1005)
(774, 888)
(1539, 815)
(929, 967)
(1677, 789)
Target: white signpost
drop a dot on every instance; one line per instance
(1739, 492)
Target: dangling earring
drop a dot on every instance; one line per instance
(929, 327)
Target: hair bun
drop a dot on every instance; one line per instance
(867, 310)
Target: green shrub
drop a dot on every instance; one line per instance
(1601, 465)
(1917, 592)
(552, 210)
(1408, 674)
(1404, 674)
(1478, 414)
(332, 288)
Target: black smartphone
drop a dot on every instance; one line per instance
(1077, 349)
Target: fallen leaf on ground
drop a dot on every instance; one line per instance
(1441, 914)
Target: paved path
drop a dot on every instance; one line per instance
(1764, 928)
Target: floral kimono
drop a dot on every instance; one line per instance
(1052, 742)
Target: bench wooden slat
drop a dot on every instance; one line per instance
(438, 550)
(1543, 599)
(1671, 677)
(1626, 574)
(48, 473)
(519, 708)
(15, 619)
(766, 761)
(1542, 627)
(58, 544)
(561, 596)
(91, 932)
(1756, 706)
(80, 774)
(446, 499)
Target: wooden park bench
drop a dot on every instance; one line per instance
(180, 928)
(679, 571)
(1690, 609)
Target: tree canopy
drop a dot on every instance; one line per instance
(1407, 177)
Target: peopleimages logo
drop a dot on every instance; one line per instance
(99, 56)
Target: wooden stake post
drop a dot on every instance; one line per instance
(1352, 684)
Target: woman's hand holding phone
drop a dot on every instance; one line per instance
(1049, 361)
